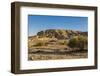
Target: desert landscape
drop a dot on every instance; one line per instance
(54, 44)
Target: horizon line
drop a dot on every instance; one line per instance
(58, 29)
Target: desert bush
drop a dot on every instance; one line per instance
(78, 42)
(38, 44)
(63, 42)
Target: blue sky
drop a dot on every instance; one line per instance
(37, 23)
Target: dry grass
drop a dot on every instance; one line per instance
(40, 56)
(51, 49)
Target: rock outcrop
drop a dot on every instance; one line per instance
(59, 34)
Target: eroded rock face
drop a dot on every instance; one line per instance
(59, 34)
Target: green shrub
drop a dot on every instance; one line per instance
(78, 42)
(63, 42)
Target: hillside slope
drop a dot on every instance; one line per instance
(53, 43)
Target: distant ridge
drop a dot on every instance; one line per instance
(58, 33)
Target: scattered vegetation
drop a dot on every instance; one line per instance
(63, 42)
(38, 44)
(79, 42)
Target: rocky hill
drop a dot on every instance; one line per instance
(59, 33)
(53, 44)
